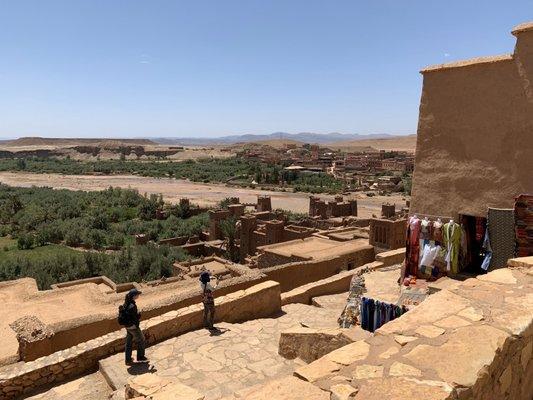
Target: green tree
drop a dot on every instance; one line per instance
(228, 227)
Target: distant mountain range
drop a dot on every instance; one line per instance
(306, 137)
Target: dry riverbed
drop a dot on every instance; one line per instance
(199, 193)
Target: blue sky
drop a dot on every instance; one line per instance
(105, 68)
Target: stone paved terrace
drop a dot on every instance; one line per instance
(242, 356)
(471, 341)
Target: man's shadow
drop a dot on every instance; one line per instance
(217, 331)
(141, 368)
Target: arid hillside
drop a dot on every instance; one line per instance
(40, 142)
(399, 143)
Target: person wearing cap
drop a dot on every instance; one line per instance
(133, 332)
(209, 301)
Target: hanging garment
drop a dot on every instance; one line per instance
(452, 241)
(501, 228)
(464, 255)
(487, 250)
(429, 254)
(425, 229)
(437, 232)
(524, 225)
(412, 246)
(480, 229)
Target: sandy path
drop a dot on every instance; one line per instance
(174, 189)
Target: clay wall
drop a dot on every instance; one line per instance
(264, 203)
(387, 234)
(474, 143)
(215, 216)
(175, 241)
(338, 283)
(299, 273)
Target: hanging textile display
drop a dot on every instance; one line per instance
(523, 211)
(375, 313)
(501, 228)
(412, 250)
(452, 243)
(486, 252)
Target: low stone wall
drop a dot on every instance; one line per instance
(260, 301)
(300, 273)
(391, 257)
(338, 283)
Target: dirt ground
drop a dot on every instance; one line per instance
(199, 193)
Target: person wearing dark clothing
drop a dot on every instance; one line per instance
(208, 299)
(133, 332)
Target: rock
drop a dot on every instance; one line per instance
(367, 371)
(403, 340)
(159, 388)
(342, 392)
(33, 336)
(502, 275)
(506, 378)
(429, 331)
(525, 355)
(471, 313)
(521, 262)
(452, 322)
(317, 369)
(400, 369)
(403, 388)
(145, 385)
(389, 352)
(310, 344)
(442, 304)
(351, 353)
(288, 388)
(461, 358)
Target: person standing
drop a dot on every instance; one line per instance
(208, 299)
(130, 317)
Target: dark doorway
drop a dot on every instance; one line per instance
(474, 228)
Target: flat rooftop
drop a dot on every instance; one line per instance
(313, 248)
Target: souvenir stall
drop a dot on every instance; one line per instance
(440, 246)
(470, 245)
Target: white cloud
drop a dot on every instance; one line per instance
(446, 55)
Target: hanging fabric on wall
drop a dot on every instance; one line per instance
(375, 313)
(523, 210)
(501, 227)
(412, 254)
(452, 242)
(487, 252)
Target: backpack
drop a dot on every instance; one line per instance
(123, 318)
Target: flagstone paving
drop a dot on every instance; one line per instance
(241, 356)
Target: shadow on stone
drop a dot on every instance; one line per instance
(217, 331)
(141, 368)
